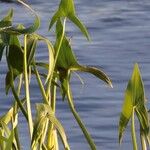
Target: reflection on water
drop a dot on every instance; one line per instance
(120, 37)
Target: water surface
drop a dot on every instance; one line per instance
(120, 37)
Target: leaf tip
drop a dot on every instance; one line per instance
(111, 85)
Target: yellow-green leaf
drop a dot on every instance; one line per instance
(134, 99)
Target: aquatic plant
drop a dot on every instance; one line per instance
(44, 128)
(135, 103)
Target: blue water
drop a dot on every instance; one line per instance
(120, 32)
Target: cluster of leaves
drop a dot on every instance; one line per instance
(22, 64)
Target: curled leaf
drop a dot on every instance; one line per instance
(95, 71)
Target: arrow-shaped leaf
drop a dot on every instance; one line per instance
(134, 99)
(67, 9)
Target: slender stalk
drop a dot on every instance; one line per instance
(45, 98)
(15, 112)
(143, 142)
(53, 89)
(56, 56)
(13, 88)
(40, 84)
(133, 133)
(18, 101)
(53, 99)
(56, 139)
(27, 93)
(77, 117)
(52, 134)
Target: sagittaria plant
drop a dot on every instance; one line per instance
(134, 103)
(20, 54)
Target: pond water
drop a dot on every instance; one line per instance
(120, 32)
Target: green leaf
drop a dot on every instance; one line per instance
(19, 31)
(8, 17)
(15, 58)
(80, 25)
(7, 20)
(8, 81)
(5, 38)
(28, 30)
(134, 99)
(67, 59)
(14, 40)
(67, 9)
(95, 71)
(4, 24)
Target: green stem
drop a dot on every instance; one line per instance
(51, 128)
(16, 132)
(56, 56)
(52, 101)
(27, 93)
(77, 117)
(13, 87)
(133, 133)
(18, 100)
(40, 84)
(143, 142)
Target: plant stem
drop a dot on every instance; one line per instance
(52, 134)
(56, 56)
(27, 93)
(13, 87)
(133, 133)
(52, 101)
(15, 112)
(143, 142)
(77, 117)
(40, 84)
